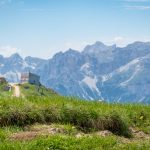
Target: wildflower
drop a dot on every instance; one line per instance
(141, 117)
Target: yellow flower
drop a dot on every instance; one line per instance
(141, 117)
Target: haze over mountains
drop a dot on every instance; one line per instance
(99, 72)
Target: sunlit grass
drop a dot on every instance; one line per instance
(74, 115)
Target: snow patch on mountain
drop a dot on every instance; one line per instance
(85, 66)
(91, 83)
(2, 65)
(98, 72)
(137, 69)
(106, 77)
(126, 67)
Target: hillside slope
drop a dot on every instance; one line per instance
(4, 91)
(28, 90)
(25, 90)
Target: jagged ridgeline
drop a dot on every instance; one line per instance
(99, 72)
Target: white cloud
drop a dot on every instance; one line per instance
(8, 50)
(137, 0)
(122, 41)
(119, 40)
(138, 7)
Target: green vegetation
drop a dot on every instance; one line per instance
(28, 90)
(3, 91)
(67, 142)
(86, 116)
(47, 121)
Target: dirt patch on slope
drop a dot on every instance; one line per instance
(138, 136)
(34, 131)
(31, 132)
(24, 135)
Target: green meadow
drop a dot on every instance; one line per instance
(68, 123)
(40, 119)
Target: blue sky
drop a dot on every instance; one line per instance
(43, 27)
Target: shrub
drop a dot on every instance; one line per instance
(85, 118)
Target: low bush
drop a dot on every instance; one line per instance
(23, 112)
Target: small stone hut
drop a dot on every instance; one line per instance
(30, 78)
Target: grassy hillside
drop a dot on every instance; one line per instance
(61, 123)
(28, 90)
(3, 92)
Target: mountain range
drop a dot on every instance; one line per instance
(99, 72)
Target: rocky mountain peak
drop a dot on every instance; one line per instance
(97, 48)
(15, 56)
(99, 72)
